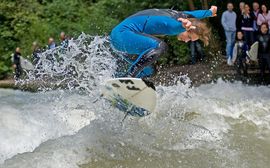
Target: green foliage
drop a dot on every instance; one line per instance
(178, 52)
(5, 66)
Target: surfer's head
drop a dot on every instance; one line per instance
(188, 36)
(198, 30)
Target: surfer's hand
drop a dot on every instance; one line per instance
(214, 10)
(185, 23)
(14, 66)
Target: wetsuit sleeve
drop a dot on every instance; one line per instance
(199, 14)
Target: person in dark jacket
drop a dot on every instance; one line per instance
(247, 25)
(239, 13)
(240, 58)
(17, 63)
(196, 51)
(264, 49)
(64, 40)
(35, 52)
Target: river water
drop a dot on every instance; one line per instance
(213, 125)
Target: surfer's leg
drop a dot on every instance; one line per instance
(147, 47)
(148, 56)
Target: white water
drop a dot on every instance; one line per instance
(214, 125)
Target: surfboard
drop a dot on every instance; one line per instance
(25, 64)
(134, 96)
(253, 52)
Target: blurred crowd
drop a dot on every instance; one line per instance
(243, 28)
(64, 40)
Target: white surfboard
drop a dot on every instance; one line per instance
(253, 52)
(25, 64)
(132, 95)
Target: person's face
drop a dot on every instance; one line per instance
(264, 8)
(255, 6)
(247, 8)
(242, 5)
(230, 6)
(239, 35)
(50, 41)
(62, 36)
(188, 36)
(264, 29)
(18, 49)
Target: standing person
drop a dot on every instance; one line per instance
(196, 51)
(264, 50)
(64, 40)
(240, 58)
(242, 7)
(247, 21)
(239, 14)
(228, 21)
(256, 12)
(264, 16)
(51, 43)
(35, 52)
(17, 63)
(136, 34)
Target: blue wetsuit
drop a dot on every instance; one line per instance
(134, 35)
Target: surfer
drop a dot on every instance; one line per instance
(136, 34)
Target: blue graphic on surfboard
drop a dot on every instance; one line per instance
(134, 96)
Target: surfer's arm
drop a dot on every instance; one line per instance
(201, 14)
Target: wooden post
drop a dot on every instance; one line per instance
(204, 4)
(191, 5)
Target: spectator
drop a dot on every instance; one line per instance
(264, 49)
(35, 52)
(17, 63)
(264, 16)
(196, 51)
(240, 58)
(256, 12)
(228, 21)
(239, 14)
(242, 7)
(51, 43)
(64, 40)
(247, 25)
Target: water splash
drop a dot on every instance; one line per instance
(84, 64)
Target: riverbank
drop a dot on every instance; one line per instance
(206, 72)
(8, 83)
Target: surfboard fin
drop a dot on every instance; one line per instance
(122, 122)
(97, 98)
